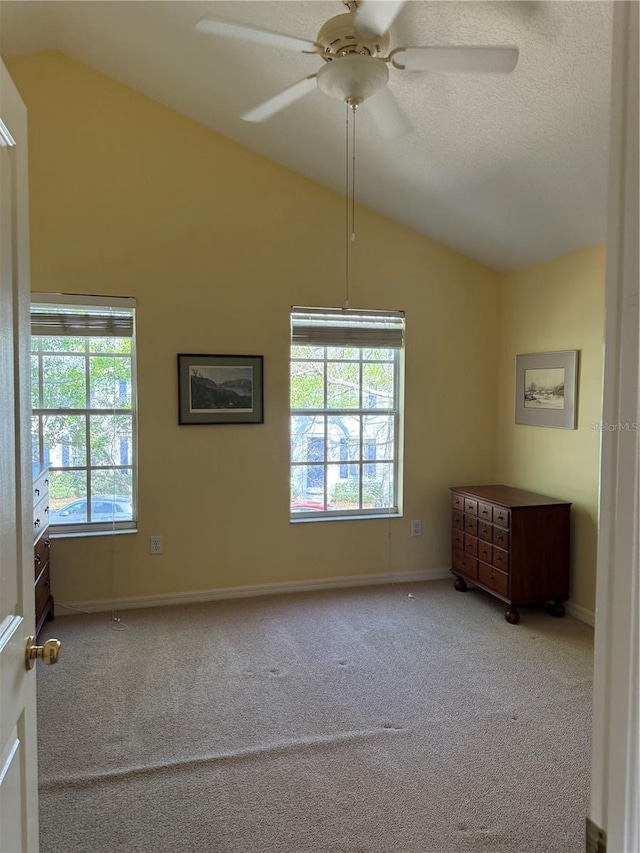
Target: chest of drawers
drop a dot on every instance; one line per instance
(42, 547)
(511, 543)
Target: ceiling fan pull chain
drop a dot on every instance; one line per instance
(353, 179)
(346, 198)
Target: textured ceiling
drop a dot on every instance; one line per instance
(508, 169)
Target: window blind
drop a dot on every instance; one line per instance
(328, 327)
(51, 317)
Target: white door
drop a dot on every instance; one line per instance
(18, 767)
(615, 788)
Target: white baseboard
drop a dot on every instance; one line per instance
(69, 608)
(581, 613)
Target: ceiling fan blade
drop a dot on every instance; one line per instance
(386, 112)
(283, 99)
(500, 60)
(375, 17)
(242, 32)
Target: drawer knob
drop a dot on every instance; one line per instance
(36, 523)
(38, 560)
(48, 654)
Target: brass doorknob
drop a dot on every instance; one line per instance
(48, 653)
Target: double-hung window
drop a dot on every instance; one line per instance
(346, 425)
(83, 409)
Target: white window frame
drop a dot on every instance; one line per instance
(118, 315)
(335, 328)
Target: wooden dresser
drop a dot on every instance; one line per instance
(511, 543)
(42, 546)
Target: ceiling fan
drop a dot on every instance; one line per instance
(355, 48)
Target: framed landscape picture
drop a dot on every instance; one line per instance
(546, 389)
(220, 389)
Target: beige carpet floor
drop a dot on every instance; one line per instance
(354, 721)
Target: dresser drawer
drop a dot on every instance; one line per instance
(470, 545)
(485, 511)
(501, 516)
(42, 590)
(457, 539)
(470, 506)
(500, 559)
(457, 520)
(471, 525)
(40, 515)
(40, 487)
(41, 552)
(465, 564)
(493, 579)
(457, 502)
(484, 551)
(501, 538)
(485, 530)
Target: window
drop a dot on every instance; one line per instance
(346, 369)
(83, 407)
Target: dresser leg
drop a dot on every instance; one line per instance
(460, 584)
(512, 616)
(557, 609)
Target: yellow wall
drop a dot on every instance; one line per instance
(558, 305)
(131, 198)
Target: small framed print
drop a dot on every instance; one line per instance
(220, 389)
(546, 389)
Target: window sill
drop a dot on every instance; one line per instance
(344, 517)
(75, 534)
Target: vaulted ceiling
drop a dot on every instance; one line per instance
(508, 169)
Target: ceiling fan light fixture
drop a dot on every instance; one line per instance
(353, 78)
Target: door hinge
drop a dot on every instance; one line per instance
(596, 838)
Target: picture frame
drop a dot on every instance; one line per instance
(546, 389)
(220, 389)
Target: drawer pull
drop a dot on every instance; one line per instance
(47, 543)
(46, 509)
(38, 560)
(37, 492)
(47, 583)
(46, 482)
(36, 523)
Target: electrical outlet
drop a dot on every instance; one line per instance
(155, 545)
(416, 527)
